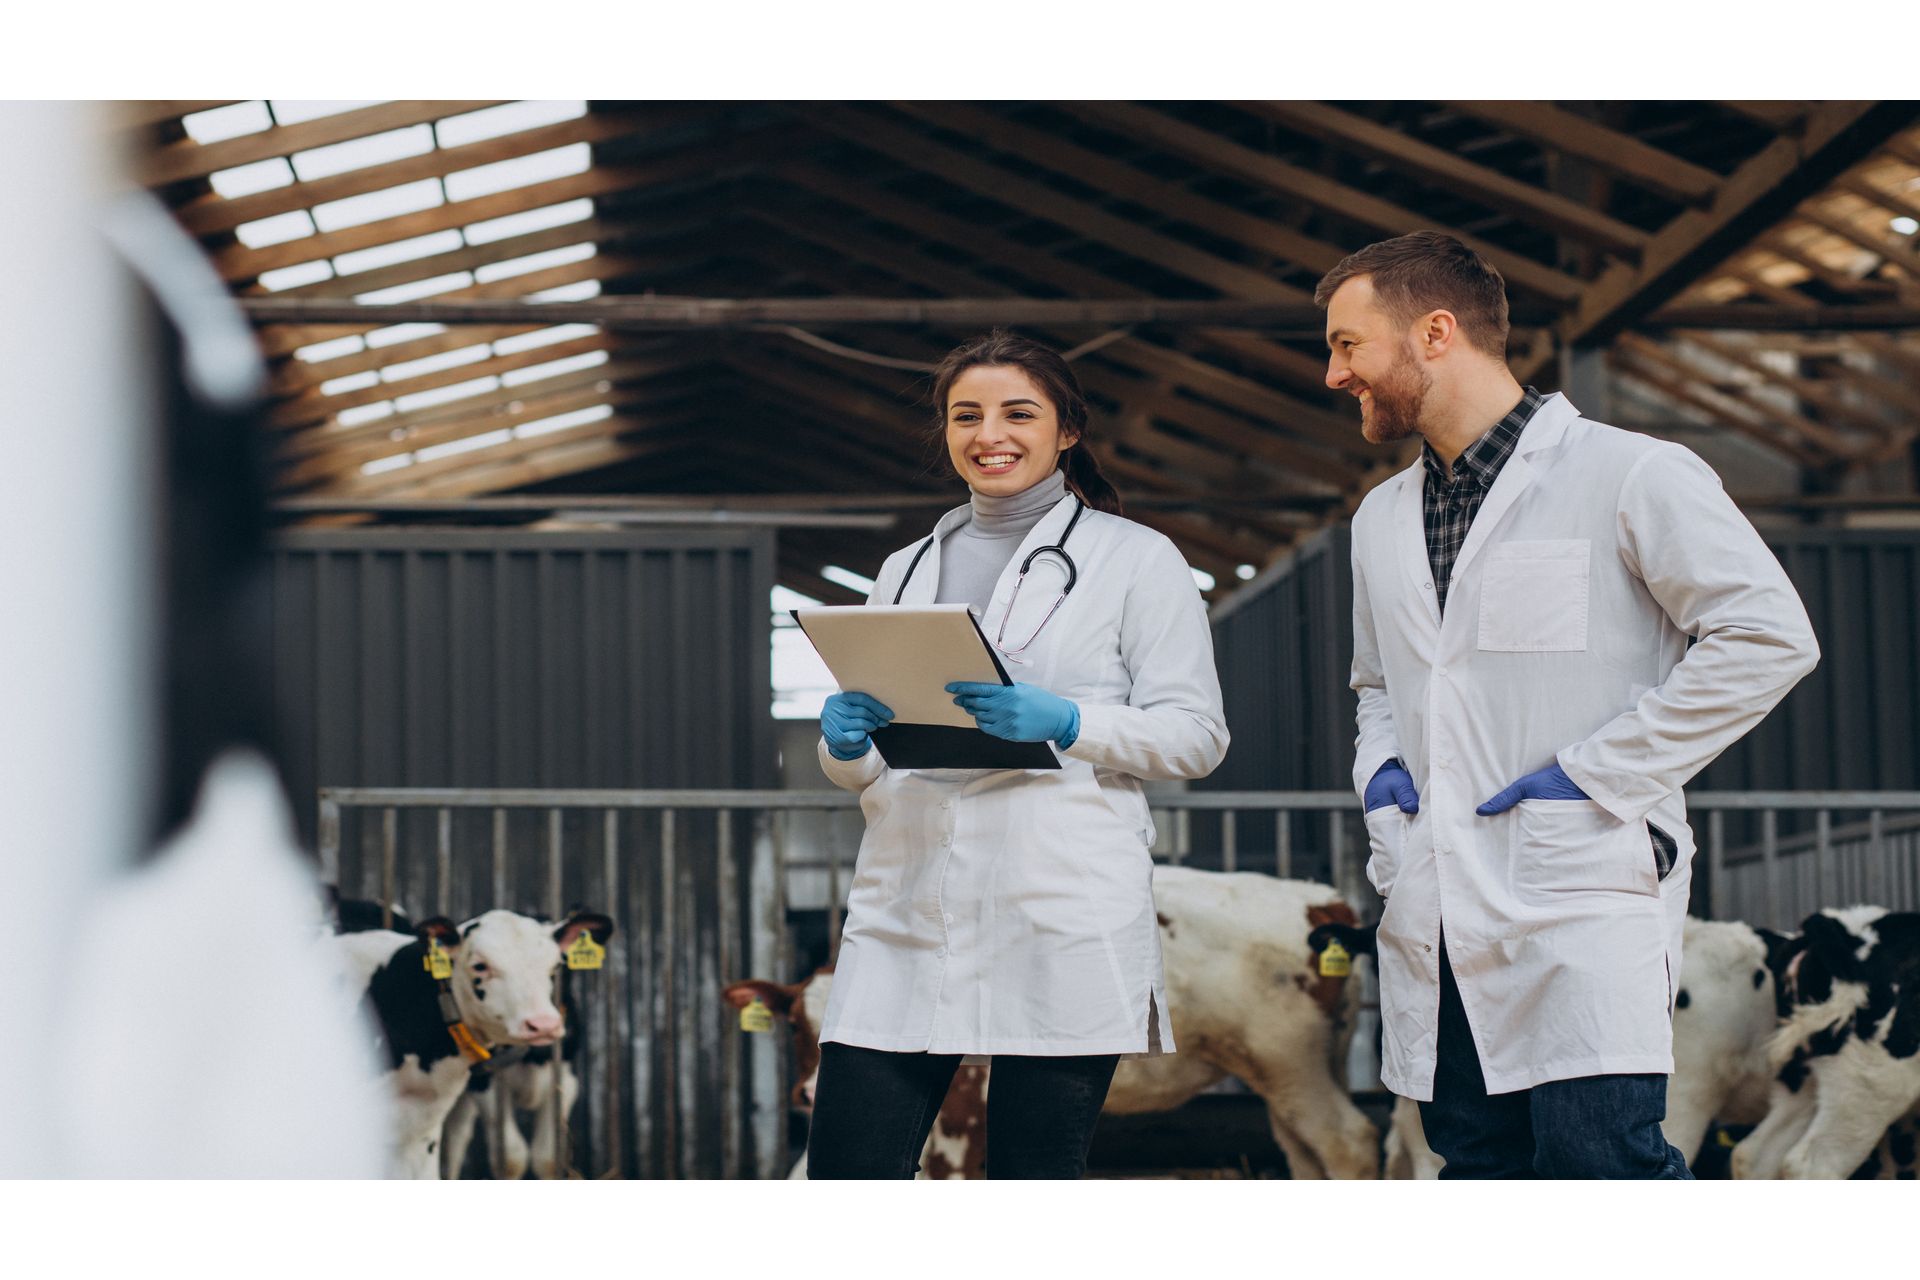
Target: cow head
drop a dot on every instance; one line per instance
(506, 969)
(804, 1005)
(1330, 923)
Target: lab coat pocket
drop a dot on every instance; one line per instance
(1533, 596)
(1575, 846)
(1126, 801)
(1386, 841)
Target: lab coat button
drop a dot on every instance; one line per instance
(1426, 946)
(940, 953)
(1426, 586)
(1441, 672)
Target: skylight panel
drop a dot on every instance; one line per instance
(518, 224)
(561, 421)
(331, 349)
(386, 255)
(846, 578)
(521, 171)
(352, 382)
(465, 445)
(251, 179)
(534, 262)
(434, 363)
(294, 277)
(418, 288)
(410, 197)
(393, 463)
(510, 117)
(543, 337)
(395, 333)
(360, 153)
(364, 413)
(445, 395)
(275, 230)
(578, 292)
(299, 111)
(553, 368)
(222, 123)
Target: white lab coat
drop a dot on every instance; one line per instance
(1011, 911)
(1598, 552)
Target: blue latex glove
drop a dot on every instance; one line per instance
(1019, 712)
(1550, 783)
(847, 722)
(1392, 784)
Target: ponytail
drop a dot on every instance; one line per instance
(1086, 479)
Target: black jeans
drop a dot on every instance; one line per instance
(872, 1112)
(1591, 1127)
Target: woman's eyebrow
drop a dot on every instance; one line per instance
(1007, 404)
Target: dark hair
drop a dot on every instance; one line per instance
(1430, 271)
(1055, 379)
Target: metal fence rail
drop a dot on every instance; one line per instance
(697, 882)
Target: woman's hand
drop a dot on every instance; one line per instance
(847, 722)
(1019, 712)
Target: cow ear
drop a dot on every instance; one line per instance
(445, 931)
(777, 998)
(579, 922)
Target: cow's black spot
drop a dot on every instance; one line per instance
(1870, 1168)
(1879, 1004)
(479, 991)
(1903, 1036)
(1901, 1146)
(432, 1147)
(1683, 1000)
(1794, 1074)
(1828, 1040)
(1759, 978)
(406, 1003)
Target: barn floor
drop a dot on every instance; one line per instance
(1215, 1135)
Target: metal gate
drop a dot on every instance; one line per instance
(696, 882)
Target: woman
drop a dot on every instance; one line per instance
(1000, 912)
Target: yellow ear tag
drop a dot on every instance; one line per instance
(1335, 962)
(756, 1016)
(1725, 1139)
(584, 953)
(438, 962)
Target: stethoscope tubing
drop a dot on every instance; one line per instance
(1059, 548)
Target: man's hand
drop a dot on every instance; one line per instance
(1392, 784)
(1550, 783)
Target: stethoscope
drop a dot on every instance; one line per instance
(1057, 549)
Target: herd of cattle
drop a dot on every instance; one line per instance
(1799, 1052)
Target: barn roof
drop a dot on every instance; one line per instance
(1747, 265)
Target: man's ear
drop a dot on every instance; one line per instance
(1437, 333)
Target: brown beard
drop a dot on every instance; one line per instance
(1398, 400)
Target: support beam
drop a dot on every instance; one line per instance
(1444, 169)
(185, 159)
(1759, 193)
(1618, 153)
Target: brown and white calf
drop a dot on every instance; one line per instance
(1246, 1000)
(502, 986)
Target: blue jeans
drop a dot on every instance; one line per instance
(1590, 1127)
(873, 1110)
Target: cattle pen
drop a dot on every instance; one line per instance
(698, 883)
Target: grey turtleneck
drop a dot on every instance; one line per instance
(973, 556)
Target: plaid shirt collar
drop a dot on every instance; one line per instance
(1479, 463)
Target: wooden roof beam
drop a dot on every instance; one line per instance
(1620, 154)
(1445, 169)
(1753, 197)
(1828, 445)
(1215, 151)
(1882, 246)
(1717, 409)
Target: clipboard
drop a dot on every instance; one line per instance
(906, 655)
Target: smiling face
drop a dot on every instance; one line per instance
(1372, 357)
(1003, 433)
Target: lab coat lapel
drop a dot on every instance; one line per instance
(1410, 537)
(925, 582)
(1547, 426)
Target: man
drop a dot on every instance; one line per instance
(1529, 709)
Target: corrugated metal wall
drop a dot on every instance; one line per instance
(1283, 650)
(635, 659)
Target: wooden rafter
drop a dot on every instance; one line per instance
(1447, 170)
(189, 159)
(1618, 153)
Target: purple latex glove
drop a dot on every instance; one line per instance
(1392, 784)
(1550, 783)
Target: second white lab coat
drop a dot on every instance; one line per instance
(1597, 553)
(1011, 911)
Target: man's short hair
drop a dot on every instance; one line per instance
(1430, 271)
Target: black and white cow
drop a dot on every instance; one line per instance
(1847, 1051)
(497, 1091)
(502, 985)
